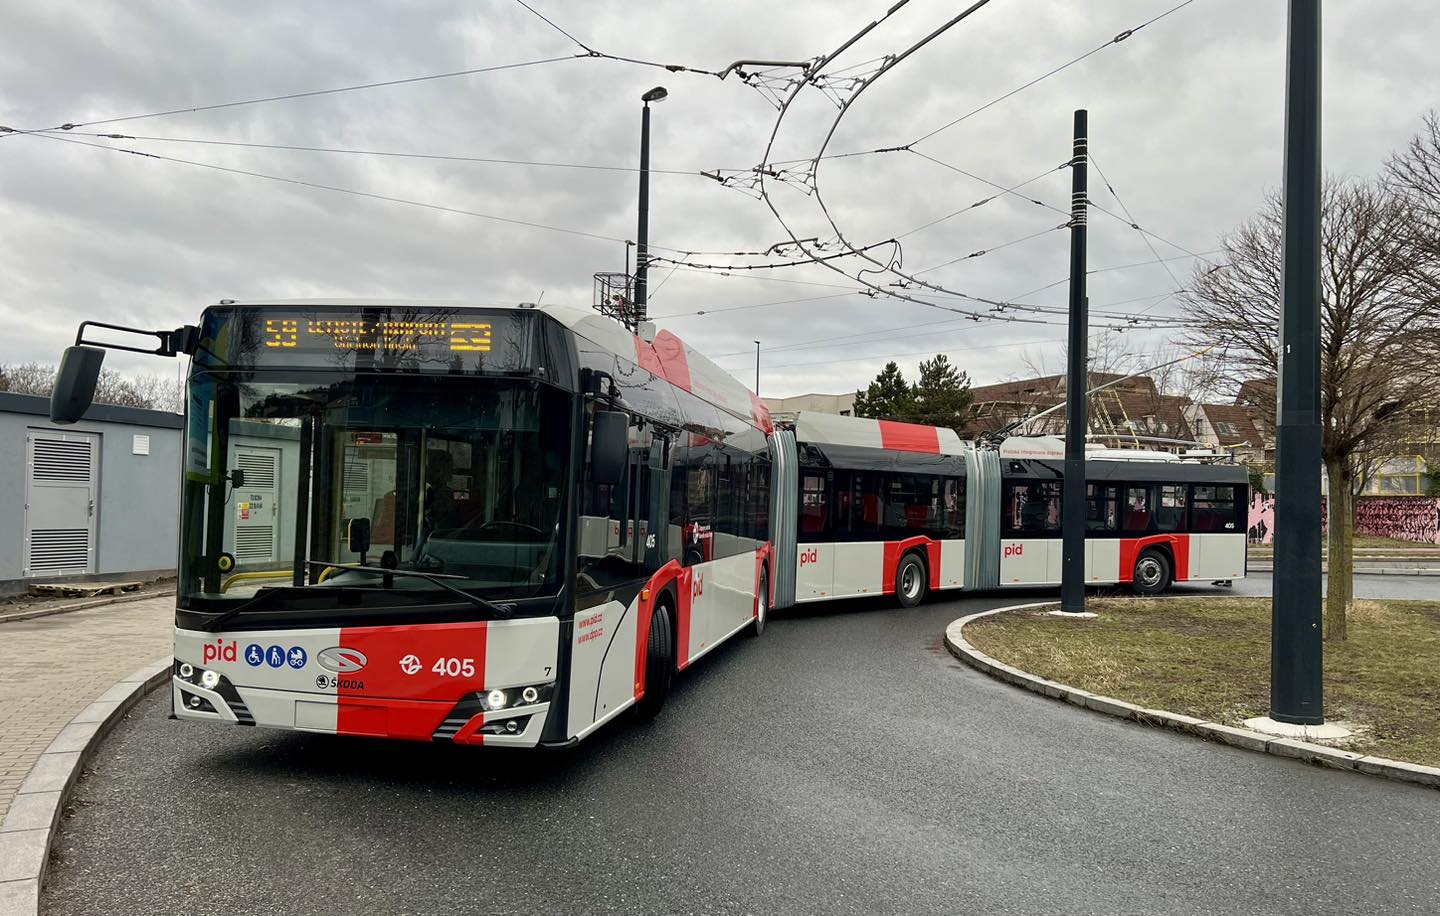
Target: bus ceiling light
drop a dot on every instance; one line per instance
(496, 699)
(210, 679)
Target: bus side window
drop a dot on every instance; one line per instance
(1170, 513)
(814, 511)
(1136, 518)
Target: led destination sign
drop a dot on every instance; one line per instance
(421, 339)
(352, 334)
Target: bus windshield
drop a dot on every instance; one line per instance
(450, 476)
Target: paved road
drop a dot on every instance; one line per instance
(843, 763)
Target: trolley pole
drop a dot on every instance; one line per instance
(1296, 650)
(1072, 515)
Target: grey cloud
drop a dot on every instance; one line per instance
(1186, 118)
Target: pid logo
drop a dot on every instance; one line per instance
(218, 651)
(808, 557)
(697, 585)
(1014, 550)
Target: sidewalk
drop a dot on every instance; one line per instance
(51, 668)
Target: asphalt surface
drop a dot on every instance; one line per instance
(842, 763)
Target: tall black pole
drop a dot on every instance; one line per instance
(642, 232)
(1072, 515)
(757, 368)
(1296, 685)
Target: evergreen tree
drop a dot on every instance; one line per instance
(942, 395)
(889, 397)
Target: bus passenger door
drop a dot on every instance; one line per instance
(814, 562)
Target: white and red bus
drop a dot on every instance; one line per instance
(885, 508)
(485, 525)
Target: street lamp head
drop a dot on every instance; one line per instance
(654, 95)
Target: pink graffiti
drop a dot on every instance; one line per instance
(1404, 518)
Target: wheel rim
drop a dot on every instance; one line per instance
(910, 581)
(1148, 572)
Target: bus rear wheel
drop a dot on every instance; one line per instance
(910, 582)
(1152, 573)
(659, 663)
(762, 605)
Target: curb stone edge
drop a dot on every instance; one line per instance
(29, 827)
(1317, 754)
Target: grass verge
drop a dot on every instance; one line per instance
(1210, 657)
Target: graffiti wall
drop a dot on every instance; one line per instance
(1405, 518)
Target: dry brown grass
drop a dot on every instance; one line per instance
(1210, 657)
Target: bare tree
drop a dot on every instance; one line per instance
(1379, 353)
(148, 391)
(28, 378)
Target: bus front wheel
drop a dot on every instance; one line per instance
(910, 581)
(1152, 573)
(659, 663)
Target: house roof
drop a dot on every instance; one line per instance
(1239, 424)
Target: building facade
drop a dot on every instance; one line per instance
(95, 499)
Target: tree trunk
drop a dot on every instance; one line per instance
(1340, 587)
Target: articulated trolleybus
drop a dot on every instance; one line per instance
(506, 525)
(895, 508)
(498, 526)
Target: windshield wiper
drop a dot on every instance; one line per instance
(263, 596)
(503, 611)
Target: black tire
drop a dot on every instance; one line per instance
(910, 581)
(763, 598)
(1152, 573)
(659, 664)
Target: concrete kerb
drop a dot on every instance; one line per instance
(82, 605)
(29, 825)
(1236, 737)
(1363, 571)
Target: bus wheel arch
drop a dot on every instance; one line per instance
(912, 578)
(1154, 569)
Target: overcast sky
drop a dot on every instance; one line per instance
(1186, 120)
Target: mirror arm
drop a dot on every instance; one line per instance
(184, 339)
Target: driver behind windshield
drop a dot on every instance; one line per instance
(439, 512)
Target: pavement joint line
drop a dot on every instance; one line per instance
(28, 830)
(84, 605)
(1244, 738)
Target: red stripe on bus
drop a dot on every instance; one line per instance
(666, 358)
(909, 437)
(1131, 548)
(761, 414)
(413, 677)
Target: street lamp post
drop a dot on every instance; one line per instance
(642, 232)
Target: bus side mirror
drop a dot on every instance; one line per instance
(75, 383)
(357, 536)
(609, 446)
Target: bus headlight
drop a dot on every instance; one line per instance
(497, 699)
(186, 670)
(210, 680)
